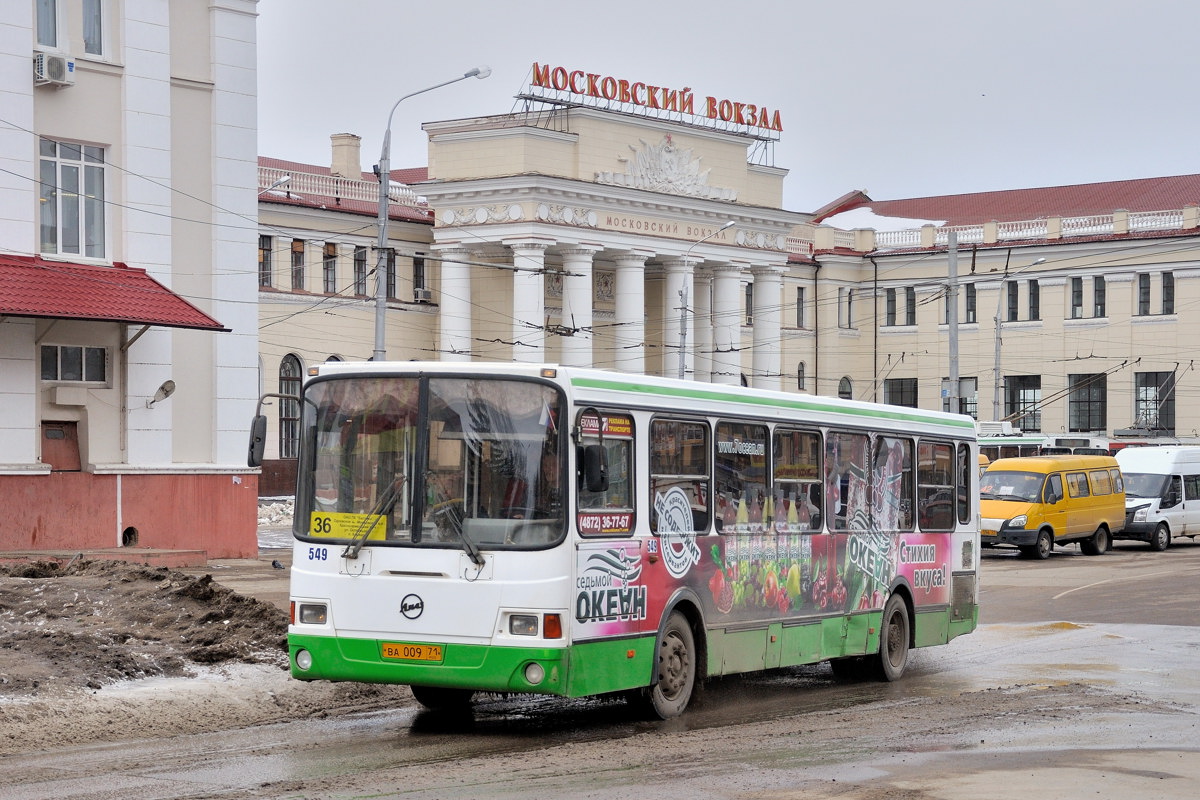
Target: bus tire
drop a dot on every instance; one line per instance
(439, 698)
(676, 661)
(894, 638)
(1041, 548)
(1161, 538)
(1097, 544)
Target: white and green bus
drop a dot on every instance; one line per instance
(510, 528)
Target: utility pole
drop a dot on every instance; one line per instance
(952, 316)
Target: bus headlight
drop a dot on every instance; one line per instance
(313, 613)
(304, 660)
(523, 625)
(1018, 521)
(535, 673)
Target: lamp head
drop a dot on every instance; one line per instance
(480, 72)
(166, 390)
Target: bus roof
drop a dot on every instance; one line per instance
(604, 386)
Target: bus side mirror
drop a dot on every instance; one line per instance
(595, 468)
(258, 441)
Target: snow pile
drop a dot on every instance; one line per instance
(275, 513)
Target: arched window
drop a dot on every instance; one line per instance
(289, 410)
(845, 389)
(800, 376)
(333, 358)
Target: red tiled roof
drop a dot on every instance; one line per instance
(31, 286)
(1080, 200)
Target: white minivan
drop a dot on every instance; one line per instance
(1162, 493)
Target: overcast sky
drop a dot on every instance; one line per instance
(899, 99)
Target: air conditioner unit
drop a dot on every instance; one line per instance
(53, 70)
(422, 295)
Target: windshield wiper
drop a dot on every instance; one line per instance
(382, 506)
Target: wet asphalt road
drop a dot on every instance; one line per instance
(1079, 683)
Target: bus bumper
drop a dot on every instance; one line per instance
(494, 669)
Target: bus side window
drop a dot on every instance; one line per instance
(679, 469)
(1054, 489)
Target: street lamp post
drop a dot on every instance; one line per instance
(684, 299)
(385, 181)
(996, 367)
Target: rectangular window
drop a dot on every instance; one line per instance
(298, 264)
(741, 478)
(797, 471)
(1168, 293)
(935, 486)
(47, 23)
(1100, 309)
(910, 306)
(71, 199)
(1077, 484)
(1035, 300)
(893, 497)
(360, 270)
(845, 308)
(1143, 301)
(76, 364)
(329, 268)
(264, 260)
(1013, 300)
(900, 392)
(749, 303)
(93, 27)
(391, 274)
(846, 481)
(1087, 406)
(972, 305)
(679, 460)
(889, 312)
(419, 272)
(1154, 401)
(1022, 397)
(1076, 298)
(799, 306)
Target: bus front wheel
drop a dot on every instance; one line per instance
(676, 660)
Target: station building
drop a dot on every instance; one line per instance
(617, 235)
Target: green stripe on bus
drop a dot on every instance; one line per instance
(800, 405)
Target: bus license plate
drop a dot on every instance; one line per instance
(403, 651)
(986, 532)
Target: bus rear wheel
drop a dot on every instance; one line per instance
(439, 698)
(894, 639)
(676, 661)
(1098, 544)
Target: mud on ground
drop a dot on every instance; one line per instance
(95, 650)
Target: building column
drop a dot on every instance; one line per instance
(768, 288)
(529, 301)
(577, 305)
(703, 325)
(727, 324)
(678, 319)
(454, 302)
(630, 338)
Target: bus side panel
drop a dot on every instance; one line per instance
(931, 627)
(610, 665)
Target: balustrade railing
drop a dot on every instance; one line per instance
(307, 183)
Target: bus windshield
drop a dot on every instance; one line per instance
(1018, 486)
(413, 461)
(1145, 484)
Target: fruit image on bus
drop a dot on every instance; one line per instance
(510, 528)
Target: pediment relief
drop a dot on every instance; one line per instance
(664, 167)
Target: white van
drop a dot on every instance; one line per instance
(1162, 493)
